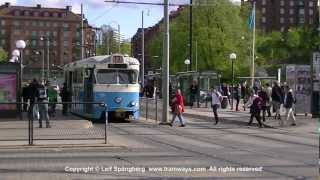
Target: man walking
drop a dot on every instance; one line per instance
(215, 103)
(277, 100)
(65, 98)
(288, 104)
(193, 93)
(42, 98)
(33, 108)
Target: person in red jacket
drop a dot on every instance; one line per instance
(178, 108)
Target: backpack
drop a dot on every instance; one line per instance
(42, 92)
(257, 103)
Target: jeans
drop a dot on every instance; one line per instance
(290, 114)
(215, 112)
(43, 110)
(179, 116)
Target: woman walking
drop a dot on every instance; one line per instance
(177, 108)
(289, 101)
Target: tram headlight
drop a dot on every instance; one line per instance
(118, 100)
(132, 104)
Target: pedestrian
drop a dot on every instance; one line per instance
(269, 93)
(53, 98)
(178, 108)
(237, 96)
(33, 111)
(265, 101)
(42, 98)
(193, 93)
(277, 100)
(25, 97)
(216, 99)
(65, 96)
(254, 103)
(288, 104)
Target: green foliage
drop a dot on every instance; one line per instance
(217, 30)
(3, 55)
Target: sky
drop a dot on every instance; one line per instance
(98, 12)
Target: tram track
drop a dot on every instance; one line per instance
(153, 139)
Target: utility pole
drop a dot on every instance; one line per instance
(190, 36)
(119, 39)
(142, 52)
(165, 65)
(48, 57)
(82, 39)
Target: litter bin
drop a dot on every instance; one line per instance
(224, 103)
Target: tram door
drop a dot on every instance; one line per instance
(88, 90)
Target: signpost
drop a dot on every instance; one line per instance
(315, 100)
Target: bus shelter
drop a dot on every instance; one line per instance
(9, 89)
(205, 81)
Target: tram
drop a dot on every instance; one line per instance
(112, 79)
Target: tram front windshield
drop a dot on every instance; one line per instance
(105, 76)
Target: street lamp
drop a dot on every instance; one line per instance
(43, 38)
(233, 57)
(20, 45)
(187, 62)
(42, 53)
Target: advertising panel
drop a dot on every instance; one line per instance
(8, 93)
(299, 79)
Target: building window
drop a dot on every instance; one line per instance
(16, 23)
(41, 43)
(41, 33)
(282, 3)
(55, 24)
(263, 19)
(301, 11)
(17, 13)
(55, 33)
(36, 14)
(65, 43)
(34, 42)
(47, 33)
(301, 20)
(41, 23)
(34, 33)
(301, 3)
(281, 11)
(281, 20)
(282, 29)
(66, 34)
(3, 22)
(3, 41)
(310, 4)
(27, 13)
(291, 11)
(34, 23)
(16, 32)
(263, 2)
(48, 24)
(78, 33)
(291, 3)
(263, 10)
(27, 23)
(54, 43)
(65, 25)
(310, 11)
(55, 14)
(310, 21)
(291, 20)
(46, 14)
(3, 32)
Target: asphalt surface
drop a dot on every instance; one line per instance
(145, 150)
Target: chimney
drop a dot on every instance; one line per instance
(69, 8)
(38, 6)
(7, 4)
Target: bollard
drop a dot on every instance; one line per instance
(146, 108)
(106, 124)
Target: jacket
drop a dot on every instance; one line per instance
(289, 100)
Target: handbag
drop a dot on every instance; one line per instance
(178, 109)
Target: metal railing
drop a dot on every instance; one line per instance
(151, 108)
(31, 117)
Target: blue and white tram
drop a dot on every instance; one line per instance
(112, 79)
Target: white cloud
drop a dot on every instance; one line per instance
(13, 2)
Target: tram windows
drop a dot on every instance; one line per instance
(105, 76)
(127, 77)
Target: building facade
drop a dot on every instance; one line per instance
(53, 30)
(280, 15)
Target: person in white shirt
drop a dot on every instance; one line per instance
(215, 103)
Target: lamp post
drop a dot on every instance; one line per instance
(44, 38)
(42, 57)
(233, 57)
(187, 62)
(20, 45)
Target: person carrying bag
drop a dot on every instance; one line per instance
(178, 108)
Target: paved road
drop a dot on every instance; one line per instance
(199, 150)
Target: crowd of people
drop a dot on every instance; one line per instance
(40, 100)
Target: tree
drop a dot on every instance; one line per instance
(3, 55)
